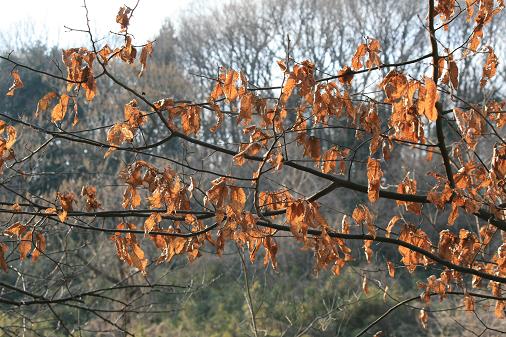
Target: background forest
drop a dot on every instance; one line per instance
(227, 295)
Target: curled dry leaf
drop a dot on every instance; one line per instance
(363, 216)
(152, 221)
(331, 157)
(190, 119)
(66, 200)
(489, 68)
(246, 108)
(25, 245)
(131, 198)
(365, 286)
(374, 175)
(368, 250)
(372, 48)
(123, 17)
(356, 62)
(471, 125)
(219, 115)
(302, 215)
(118, 134)
(230, 85)
(424, 318)
(90, 192)
(391, 269)
(27, 238)
(271, 249)
(134, 117)
(40, 246)
(440, 199)
(372, 124)
(408, 186)
(16, 207)
(430, 99)
(43, 103)
(250, 149)
(11, 138)
(500, 307)
(282, 65)
(127, 52)
(345, 225)
(237, 200)
(128, 249)
(312, 148)
(105, 53)
(468, 302)
(275, 200)
(16, 229)
(79, 64)
(418, 238)
(391, 225)
(453, 72)
(3, 263)
(146, 51)
(345, 75)
(302, 78)
(50, 210)
(191, 186)
(276, 160)
(16, 84)
(218, 193)
(60, 109)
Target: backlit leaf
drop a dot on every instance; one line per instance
(16, 84)
(40, 246)
(16, 229)
(60, 109)
(424, 318)
(26, 245)
(3, 263)
(43, 103)
(374, 175)
(123, 17)
(152, 221)
(490, 67)
(146, 51)
(391, 269)
(431, 97)
(468, 302)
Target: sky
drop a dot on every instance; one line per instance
(45, 19)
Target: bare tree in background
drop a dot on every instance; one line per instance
(376, 122)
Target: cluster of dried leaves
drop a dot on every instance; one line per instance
(175, 226)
